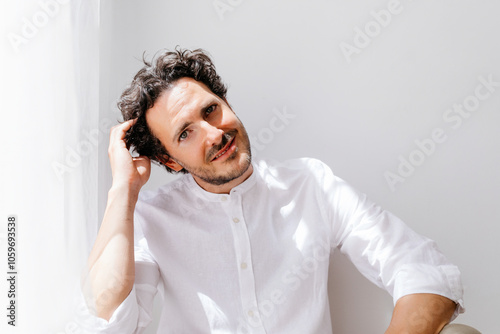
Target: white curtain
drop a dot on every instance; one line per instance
(50, 136)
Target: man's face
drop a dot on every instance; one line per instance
(201, 133)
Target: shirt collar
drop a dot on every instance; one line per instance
(239, 189)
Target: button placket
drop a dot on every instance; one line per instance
(244, 262)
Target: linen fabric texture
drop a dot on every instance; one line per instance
(256, 260)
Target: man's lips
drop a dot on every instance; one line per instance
(224, 150)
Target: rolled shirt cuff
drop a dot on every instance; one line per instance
(443, 280)
(123, 320)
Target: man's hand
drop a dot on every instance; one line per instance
(127, 171)
(421, 313)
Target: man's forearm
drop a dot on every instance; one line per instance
(111, 262)
(421, 313)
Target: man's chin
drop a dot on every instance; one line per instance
(228, 176)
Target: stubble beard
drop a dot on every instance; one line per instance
(211, 176)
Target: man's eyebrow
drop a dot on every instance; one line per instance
(208, 104)
(181, 130)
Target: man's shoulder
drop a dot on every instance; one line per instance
(292, 168)
(175, 187)
(305, 164)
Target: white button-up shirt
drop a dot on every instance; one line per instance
(256, 260)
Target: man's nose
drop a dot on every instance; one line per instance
(213, 134)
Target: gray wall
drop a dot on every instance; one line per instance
(375, 108)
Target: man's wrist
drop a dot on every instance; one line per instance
(124, 192)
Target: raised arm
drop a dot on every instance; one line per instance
(111, 270)
(421, 313)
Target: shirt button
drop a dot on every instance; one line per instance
(236, 220)
(223, 198)
(250, 313)
(243, 265)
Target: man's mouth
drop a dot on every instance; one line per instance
(224, 150)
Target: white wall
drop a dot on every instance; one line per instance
(359, 115)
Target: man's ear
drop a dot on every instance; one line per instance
(167, 161)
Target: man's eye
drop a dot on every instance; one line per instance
(183, 135)
(210, 109)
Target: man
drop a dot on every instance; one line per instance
(237, 246)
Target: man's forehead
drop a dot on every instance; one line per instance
(176, 103)
(184, 92)
(176, 93)
(180, 86)
(187, 85)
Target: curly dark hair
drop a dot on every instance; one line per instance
(153, 79)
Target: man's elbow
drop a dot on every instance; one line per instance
(421, 313)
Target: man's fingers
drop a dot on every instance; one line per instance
(118, 132)
(120, 129)
(141, 158)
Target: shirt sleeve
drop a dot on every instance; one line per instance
(134, 314)
(383, 248)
